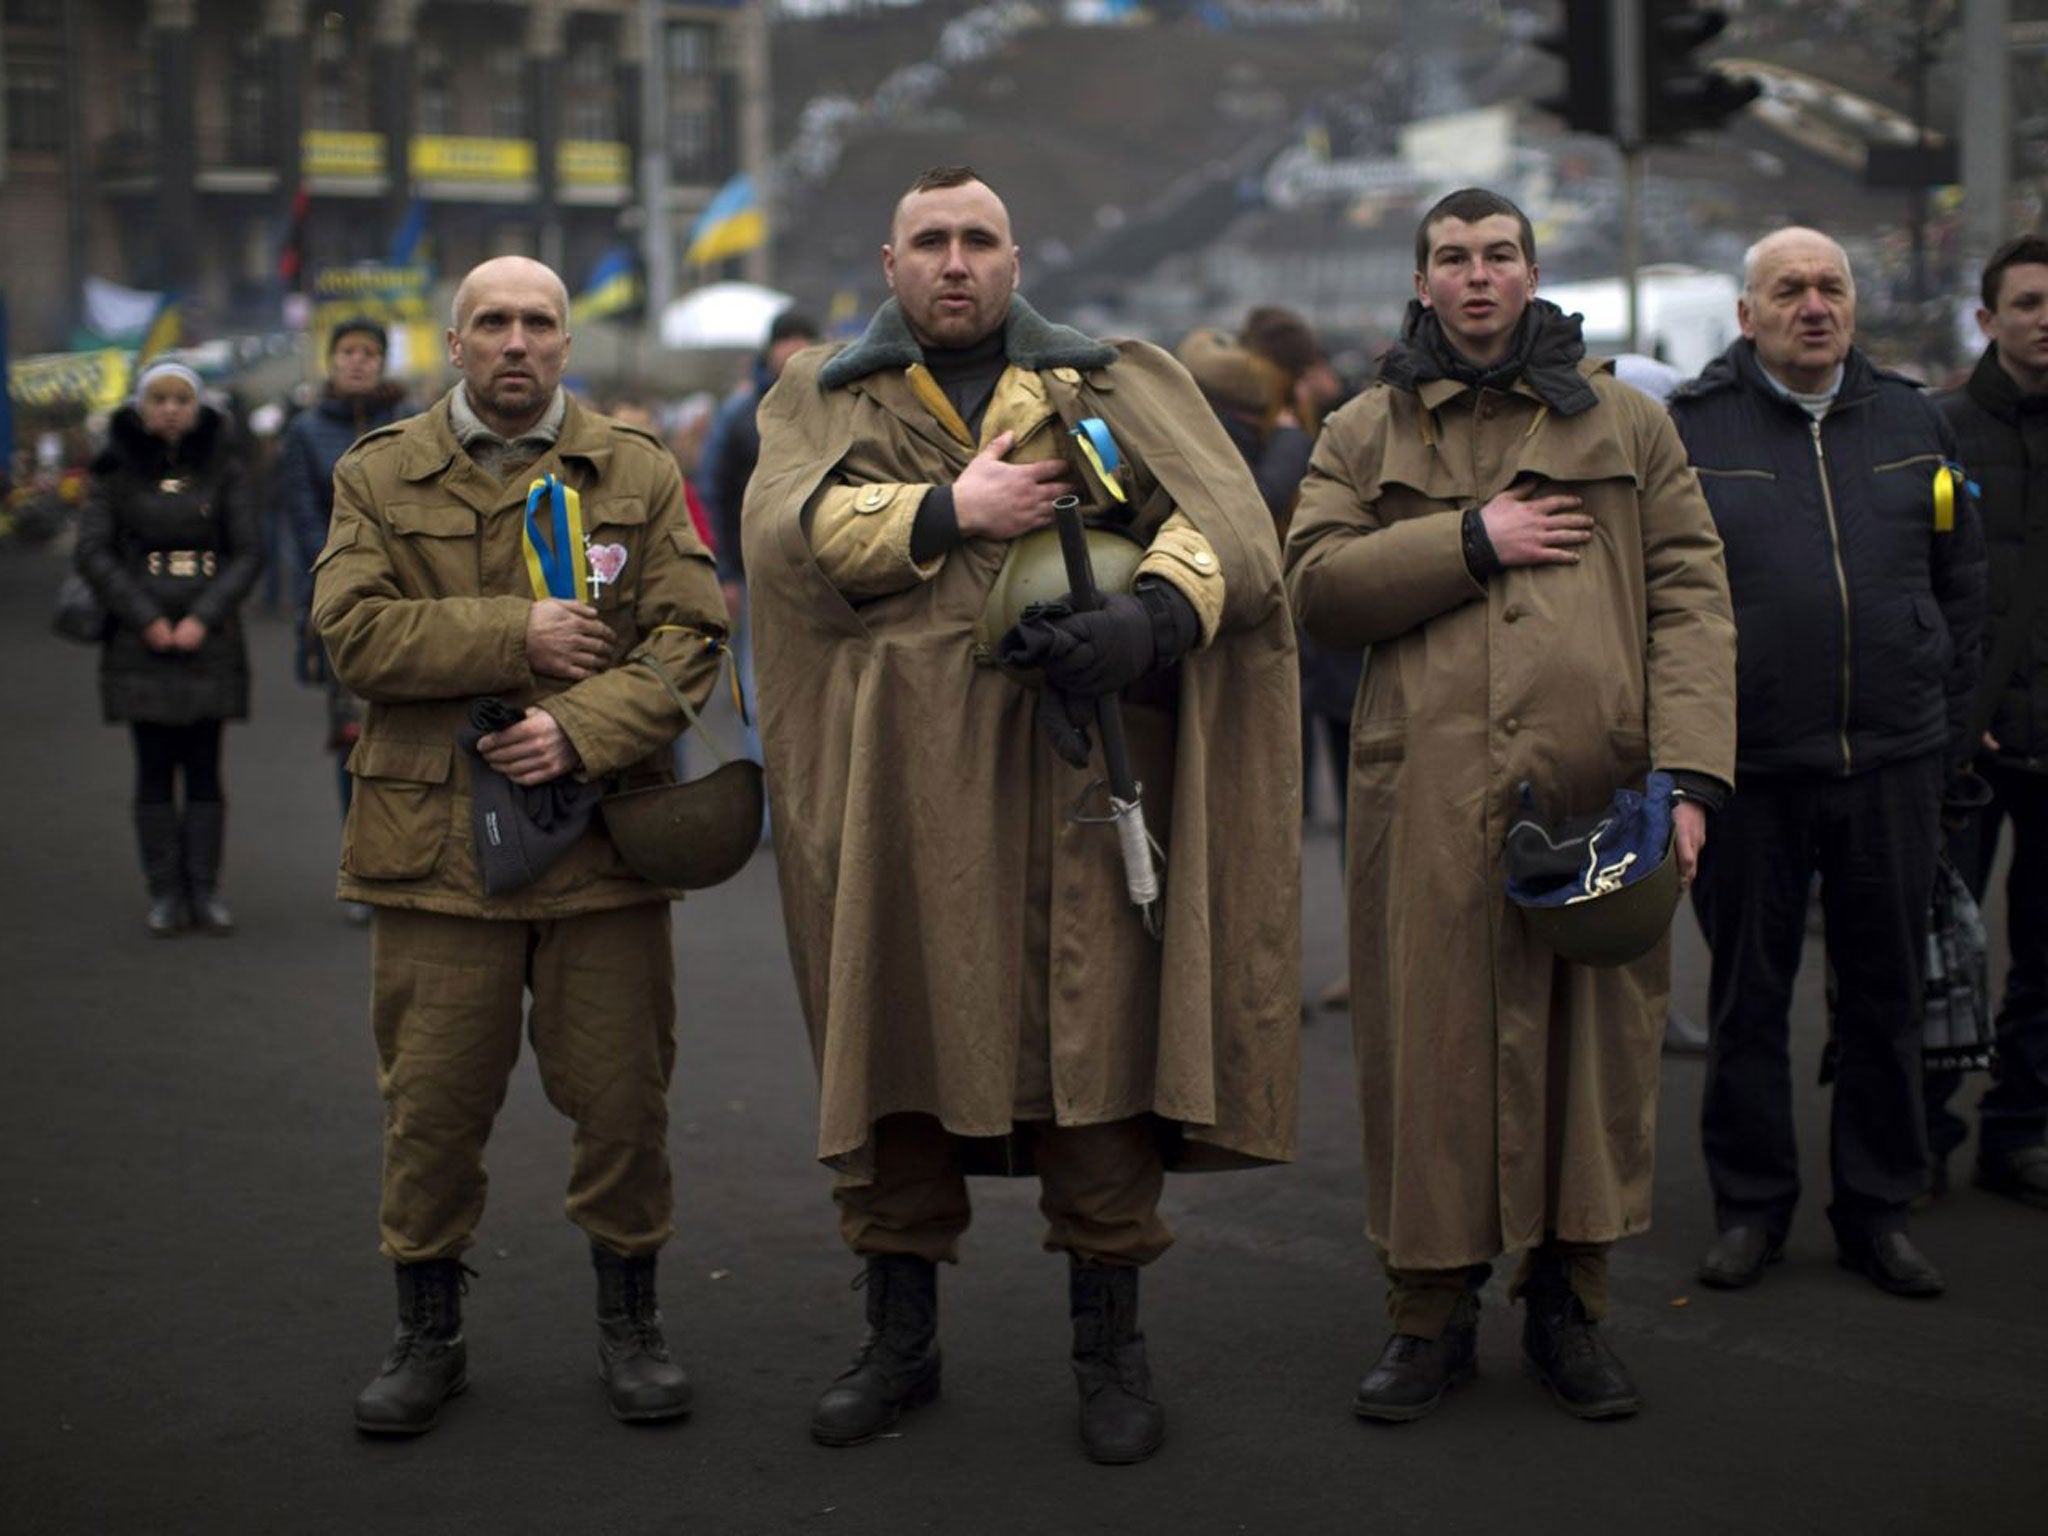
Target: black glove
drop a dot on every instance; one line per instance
(1106, 649)
(1065, 718)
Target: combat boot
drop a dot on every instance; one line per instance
(644, 1385)
(1412, 1373)
(897, 1366)
(163, 866)
(1121, 1422)
(1573, 1358)
(205, 829)
(429, 1362)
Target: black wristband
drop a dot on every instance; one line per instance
(1701, 788)
(1480, 558)
(936, 528)
(1175, 626)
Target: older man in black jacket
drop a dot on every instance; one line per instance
(1857, 573)
(2001, 424)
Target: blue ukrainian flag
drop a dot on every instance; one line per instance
(614, 286)
(731, 225)
(409, 245)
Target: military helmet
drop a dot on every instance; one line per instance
(1035, 571)
(693, 835)
(1601, 889)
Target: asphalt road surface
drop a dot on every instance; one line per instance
(192, 1295)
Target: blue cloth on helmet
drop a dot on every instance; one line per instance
(1586, 856)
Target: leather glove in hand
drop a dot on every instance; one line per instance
(1065, 718)
(1106, 649)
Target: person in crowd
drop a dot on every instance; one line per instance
(357, 399)
(2000, 418)
(510, 571)
(170, 545)
(1518, 538)
(732, 446)
(981, 991)
(1857, 573)
(1259, 404)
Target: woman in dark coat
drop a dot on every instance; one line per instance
(170, 544)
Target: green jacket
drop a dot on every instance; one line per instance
(422, 596)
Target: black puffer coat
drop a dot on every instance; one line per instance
(1857, 617)
(2003, 436)
(169, 530)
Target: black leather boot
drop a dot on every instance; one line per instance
(898, 1363)
(206, 826)
(645, 1386)
(429, 1362)
(1567, 1350)
(163, 867)
(1120, 1420)
(1413, 1373)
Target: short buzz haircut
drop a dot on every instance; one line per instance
(1468, 205)
(940, 177)
(2024, 251)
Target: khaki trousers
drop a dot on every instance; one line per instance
(1420, 1301)
(447, 995)
(1099, 1188)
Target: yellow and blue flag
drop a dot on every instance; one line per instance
(614, 286)
(731, 225)
(409, 247)
(166, 330)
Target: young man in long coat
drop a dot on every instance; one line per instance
(1518, 538)
(980, 992)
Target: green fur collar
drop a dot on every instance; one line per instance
(1029, 341)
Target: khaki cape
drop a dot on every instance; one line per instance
(962, 947)
(1504, 1092)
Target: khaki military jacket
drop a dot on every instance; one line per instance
(963, 946)
(422, 596)
(1504, 1092)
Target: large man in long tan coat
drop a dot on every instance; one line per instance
(508, 543)
(980, 993)
(1518, 538)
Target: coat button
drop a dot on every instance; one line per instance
(1202, 558)
(1513, 613)
(1511, 725)
(1067, 375)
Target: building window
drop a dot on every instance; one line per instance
(689, 142)
(35, 106)
(505, 67)
(249, 103)
(435, 109)
(336, 96)
(691, 48)
(34, 13)
(593, 92)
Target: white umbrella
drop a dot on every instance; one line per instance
(722, 315)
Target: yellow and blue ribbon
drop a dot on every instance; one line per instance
(1947, 479)
(555, 563)
(1100, 450)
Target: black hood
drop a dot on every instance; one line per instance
(131, 444)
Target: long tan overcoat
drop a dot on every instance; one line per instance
(1505, 1093)
(422, 597)
(962, 947)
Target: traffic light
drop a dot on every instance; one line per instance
(1682, 94)
(1586, 44)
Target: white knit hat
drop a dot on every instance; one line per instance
(166, 368)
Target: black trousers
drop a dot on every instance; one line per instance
(1872, 839)
(164, 751)
(2014, 1110)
